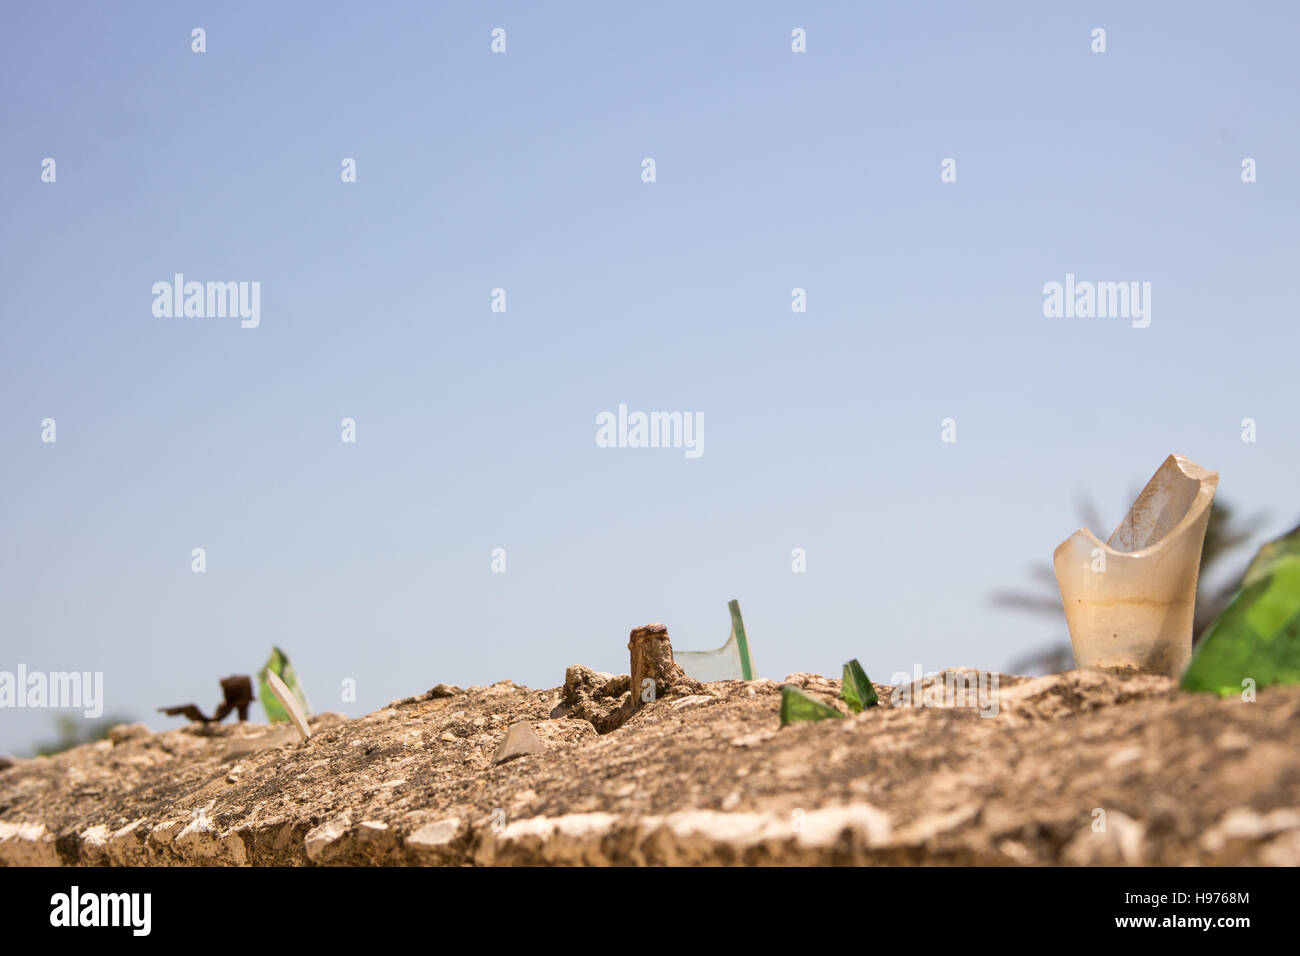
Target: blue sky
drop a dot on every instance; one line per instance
(475, 430)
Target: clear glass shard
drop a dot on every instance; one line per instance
(731, 661)
(289, 702)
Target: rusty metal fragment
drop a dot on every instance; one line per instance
(238, 693)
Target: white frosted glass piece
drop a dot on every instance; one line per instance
(1129, 602)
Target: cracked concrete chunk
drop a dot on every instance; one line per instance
(96, 835)
(27, 844)
(695, 784)
(602, 699)
(320, 840)
(94, 844)
(520, 741)
(1072, 692)
(1242, 823)
(688, 836)
(434, 835)
(440, 842)
(127, 846)
(374, 841)
(571, 839)
(565, 730)
(159, 838)
(823, 827)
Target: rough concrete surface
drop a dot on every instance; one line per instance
(1076, 768)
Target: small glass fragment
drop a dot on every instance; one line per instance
(797, 706)
(856, 688)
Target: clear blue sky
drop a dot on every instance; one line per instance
(476, 429)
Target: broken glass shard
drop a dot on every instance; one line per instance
(856, 688)
(798, 706)
(1257, 637)
(731, 661)
(278, 664)
(1129, 602)
(289, 702)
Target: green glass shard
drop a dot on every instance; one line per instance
(278, 663)
(1257, 637)
(1270, 555)
(731, 661)
(797, 706)
(857, 690)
